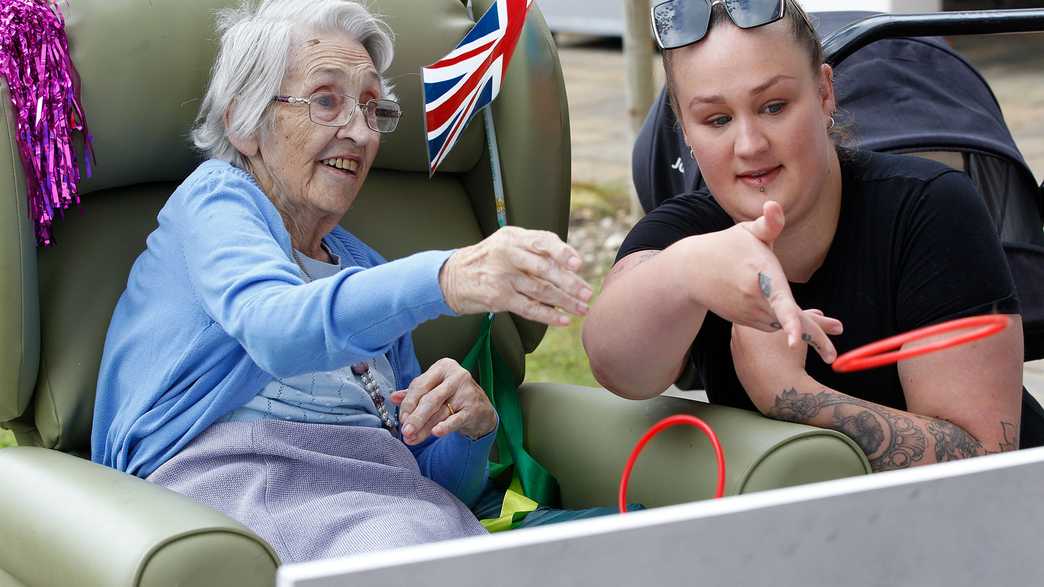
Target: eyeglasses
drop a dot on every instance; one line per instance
(330, 109)
(678, 23)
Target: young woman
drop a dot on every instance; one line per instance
(798, 239)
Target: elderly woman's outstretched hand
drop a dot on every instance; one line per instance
(441, 400)
(528, 272)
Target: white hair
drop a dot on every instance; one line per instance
(253, 57)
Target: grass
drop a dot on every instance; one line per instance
(560, 358)
(6, 438)
(597, 200)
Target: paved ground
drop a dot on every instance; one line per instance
(601, 137)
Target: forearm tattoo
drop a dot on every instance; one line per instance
(1011, 437)
(890, 440)
(952, 442)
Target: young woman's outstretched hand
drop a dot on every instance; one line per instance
(654, 303)
(747, 286)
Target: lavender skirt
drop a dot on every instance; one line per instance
(316, 491)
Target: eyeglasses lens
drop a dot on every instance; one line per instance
(331, 109)
(753, 13)
(680, 22)
(683, 22)
(383, 115)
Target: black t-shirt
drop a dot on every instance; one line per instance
(914, 246)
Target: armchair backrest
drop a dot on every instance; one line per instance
(144, 67)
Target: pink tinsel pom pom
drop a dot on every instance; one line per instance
(44, 89)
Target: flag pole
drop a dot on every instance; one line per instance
(494, 154)
(494, 164)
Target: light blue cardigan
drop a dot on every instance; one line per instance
(215, 307)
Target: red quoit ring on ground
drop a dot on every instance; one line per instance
(656, 429)
(875, 354)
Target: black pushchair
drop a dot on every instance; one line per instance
(905, 93)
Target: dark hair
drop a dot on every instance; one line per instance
(802, 33)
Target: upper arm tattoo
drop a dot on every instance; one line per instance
(634, 261)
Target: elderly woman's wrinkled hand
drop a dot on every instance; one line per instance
(441, 400)
(528, 272)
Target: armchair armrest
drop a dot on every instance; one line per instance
(67, 521)
(584, 435)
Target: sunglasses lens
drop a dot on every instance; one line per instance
(680, 22)
(752, 13)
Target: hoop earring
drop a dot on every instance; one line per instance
(831, 123)
(691, 154)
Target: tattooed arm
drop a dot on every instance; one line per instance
(653, 304)
(962, 402)
(640, 328)
(891, 439)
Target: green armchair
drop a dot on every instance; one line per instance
(144, 65)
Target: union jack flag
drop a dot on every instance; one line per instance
(466, 80)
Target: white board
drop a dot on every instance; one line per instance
(972, 522)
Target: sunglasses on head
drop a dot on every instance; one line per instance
(678, 23)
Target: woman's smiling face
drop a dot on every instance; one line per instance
(316, 171)
(755, 113)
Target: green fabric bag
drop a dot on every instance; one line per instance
(530, 485)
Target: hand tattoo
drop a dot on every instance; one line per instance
(765, 283)
(807, 338)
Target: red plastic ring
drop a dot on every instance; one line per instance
(656, 429)
(874, 355)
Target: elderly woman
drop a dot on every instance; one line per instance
(255, 359)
